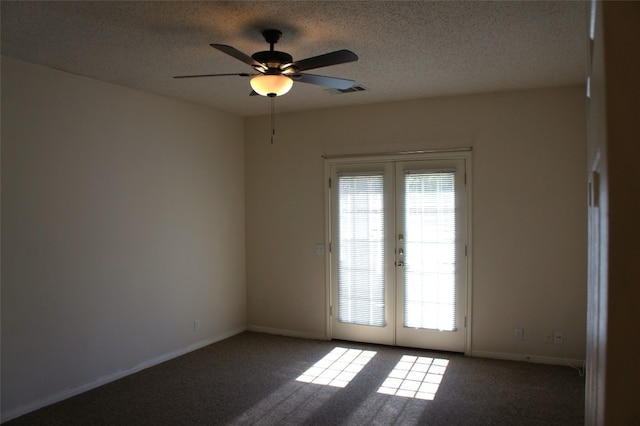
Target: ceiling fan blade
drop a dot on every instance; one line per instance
(323, 80)
(232, 51)
(333, 58)
(241, 74)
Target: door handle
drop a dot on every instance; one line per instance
(400, 264)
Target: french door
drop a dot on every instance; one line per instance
(398, 260)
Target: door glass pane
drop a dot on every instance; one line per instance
(430, 250)
(361, 249)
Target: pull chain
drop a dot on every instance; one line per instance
(273, 118)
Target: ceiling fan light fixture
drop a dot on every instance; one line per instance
(271, 85)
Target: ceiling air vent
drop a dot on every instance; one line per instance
(352, 89)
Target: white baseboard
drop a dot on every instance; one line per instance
(537, 359)
(288, 333)
(68, 393)
(570, 362)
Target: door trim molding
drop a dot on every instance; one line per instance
(397, 153)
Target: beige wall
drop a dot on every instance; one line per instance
(122, 223)
(529, 210)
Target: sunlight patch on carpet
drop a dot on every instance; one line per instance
(415, 377)
(337, 368)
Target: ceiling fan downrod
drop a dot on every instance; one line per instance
(271, 36)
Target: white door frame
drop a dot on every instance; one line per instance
(463, 153)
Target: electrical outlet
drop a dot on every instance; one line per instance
(517, 334)
(557, 337)
(548, 337)
(196, 325)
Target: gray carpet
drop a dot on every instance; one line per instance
(251, 379)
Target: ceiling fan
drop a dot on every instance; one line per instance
(276, 71)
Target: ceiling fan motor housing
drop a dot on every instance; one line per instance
(273, 59)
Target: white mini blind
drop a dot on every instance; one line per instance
(361, 285)
(430, 249)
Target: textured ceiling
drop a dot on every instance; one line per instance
(407, 49)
